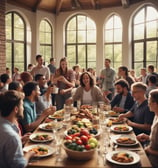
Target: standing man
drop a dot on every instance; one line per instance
(107, 78)
(11, 153)
(52, 67)
(151, 71)
(40, 68)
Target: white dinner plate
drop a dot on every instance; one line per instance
(112, 113)
(59, 115)
(50, 149)
(116, 122)
(44, 126)
(32, 137)
(115, 137)
(136, 157)
(113, 128)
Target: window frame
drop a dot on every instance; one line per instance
(113, 43)
(144, 40)
(78, 44)
(45, 44)
(13, 42)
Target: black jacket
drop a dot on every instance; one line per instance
(128, 103)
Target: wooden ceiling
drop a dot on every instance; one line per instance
(57, 6)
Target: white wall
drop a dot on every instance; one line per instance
(58, 22)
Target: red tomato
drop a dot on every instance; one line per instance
(68, 137)
(84, 132)
(84, 139)
(88, 147)
(75, 138)
(77, 134)
(79, 142)
(89, 136)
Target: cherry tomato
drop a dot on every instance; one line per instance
(88, 147)
(79, 142)
(84, 139)
(84, 132)
(77, 134)
(68, 137)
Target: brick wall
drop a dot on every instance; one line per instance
(2, 36)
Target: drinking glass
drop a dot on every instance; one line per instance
(78, 104)
(94, 108)
(101, 105)
(101, 117)
(56, 126)
(108, 107)
(59, 139)
(67, 113)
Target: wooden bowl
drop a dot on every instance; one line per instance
(79, 155)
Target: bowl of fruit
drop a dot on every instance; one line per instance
(80, 146)
(93, 130)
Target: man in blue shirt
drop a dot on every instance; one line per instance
(30, 120)
(11, 153)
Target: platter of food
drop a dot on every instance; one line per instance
(40, 150)
(50, 126)
(59, 115)
(123, 157)
(41, 137)
(121, 128)
(115, 120)
(111, 113)
(93, 131)
(124, 140)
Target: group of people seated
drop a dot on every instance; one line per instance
(29, 98)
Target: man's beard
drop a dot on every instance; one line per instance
(121, 93)
(19, 115)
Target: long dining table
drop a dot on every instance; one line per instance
(97, 161)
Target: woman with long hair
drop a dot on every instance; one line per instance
(88, 92)
(64, 78)
(123, 73)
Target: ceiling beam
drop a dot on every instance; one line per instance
(58, 6)
(125, 3)
(93, 4)
(34, 8)
(97, 4)
(77, 3)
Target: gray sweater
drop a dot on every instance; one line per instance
(95, 93)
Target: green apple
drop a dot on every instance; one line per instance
(93, 140)
(92, 145)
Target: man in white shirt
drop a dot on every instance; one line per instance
(40, 68)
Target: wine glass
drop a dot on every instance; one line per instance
(59, 140)
(56, 126)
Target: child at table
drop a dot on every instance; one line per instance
(152, 148)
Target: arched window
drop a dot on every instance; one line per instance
(15, 41)
(81, 41)
(145, 38)
(46, 45)
(113, 40)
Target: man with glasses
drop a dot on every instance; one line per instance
(141, 116)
